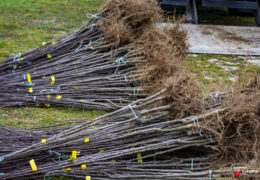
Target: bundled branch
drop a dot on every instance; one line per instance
(147, 131)
(143, 125)
(90, 80)
(236, 129)
(13, 138)
(193, 168)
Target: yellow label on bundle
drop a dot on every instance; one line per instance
(48, 96)
(49, 56)
(86, 140)
(132, 147)
(73, 156)
(44, 141)
(58, 97)
(33, 165)
(83, 166)
(53, 42)
(22, 59)
(43, 43)
(113, 160)
(143, 116)
(30, 90)
(43, 77)
(78, 152)
(37, 104)
(68, 169)
(47, 105)
(76, 88)
(14, 66)
(88, 178)
(101, 150)
(29, 78)
(139, 157)
(129, 131)
(52, 80)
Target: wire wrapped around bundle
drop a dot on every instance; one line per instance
(99, 80)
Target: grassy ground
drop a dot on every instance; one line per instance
(229, 69)
(24, 24)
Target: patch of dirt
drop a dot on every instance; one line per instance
(223, 34)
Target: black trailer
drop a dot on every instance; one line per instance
(233, 5)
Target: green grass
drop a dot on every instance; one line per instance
(34, 116)
(24, 24)
(212, 69)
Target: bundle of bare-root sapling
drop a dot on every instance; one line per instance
(145, 129)
(139, 14)
(103, 81)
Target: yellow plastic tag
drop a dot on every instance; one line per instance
(30, 89)
(101, 150)
(44, 141)
(113, 160)
(48, 96)
(49, 56)
(129, 131)
(22, 59)
(58, 97)
(43, 77)
(73, 156)
(132, 147)
(29, 79)
(83, 166)
(68, 169)
(47, 105)
(76, 88)
(139, 157)
(88, 178)
(43, 44)
(37, 104)
(53, 42)
(52, 80)
(86, 140)
(33, 165)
